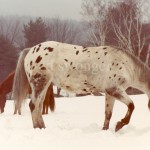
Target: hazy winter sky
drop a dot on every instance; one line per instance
(69, 9)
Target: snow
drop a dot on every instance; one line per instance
(76, 125)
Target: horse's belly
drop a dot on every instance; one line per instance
(80, 84)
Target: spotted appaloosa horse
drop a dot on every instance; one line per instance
(83, 70)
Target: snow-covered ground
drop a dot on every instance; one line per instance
(76, 125)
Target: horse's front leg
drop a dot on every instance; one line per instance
(109, 104)
(39, 87)
(121, 95)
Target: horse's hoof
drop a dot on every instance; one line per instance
(119, 126)
(105, 128)
(39, 127)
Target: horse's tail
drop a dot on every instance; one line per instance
(20, 84)
(51, 98)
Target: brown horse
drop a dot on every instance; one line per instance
(6, 87)
(49, 100)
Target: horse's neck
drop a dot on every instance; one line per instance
(143, 80)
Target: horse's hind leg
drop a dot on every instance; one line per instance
(121, 95)
(37, 119)
(39, 87)
(109, 104)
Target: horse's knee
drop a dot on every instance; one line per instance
(39, 82)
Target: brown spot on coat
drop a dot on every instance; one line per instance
(85, 90)
(105, 53)
(77, 52)
(43, 68)
(37, 75)
(37, 49)
(50, 49)
(31, 63)
(66, 60)
(41, 65)
(39, 58)
(85, 50)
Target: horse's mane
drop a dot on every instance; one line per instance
(144, 69)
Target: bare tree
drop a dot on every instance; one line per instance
(144, 6)
(125, 21)
(66, 31)
(94, 13)
(128, 28)
(11, 29)
(147, 56)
